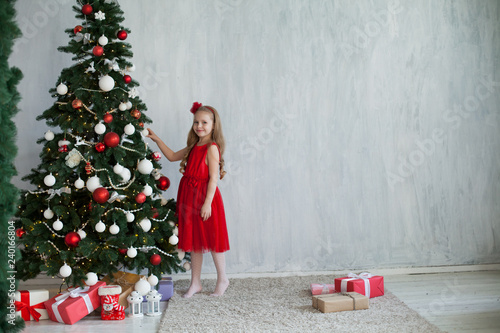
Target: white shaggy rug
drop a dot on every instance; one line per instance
(281, 304)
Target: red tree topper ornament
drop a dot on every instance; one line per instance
(108, 117)
(76, 104)
(195, 107)
(140, 198)
(155, 259)
(87, 9)
(122, 35)
(100, 195)
(100, 147)
(112, 139)
(127, 79)
(77, 29)
(163, 183)
(98, 50)
(72, 239)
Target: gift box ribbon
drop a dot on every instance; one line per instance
(26, 309)
(351, 276)
(73, 293)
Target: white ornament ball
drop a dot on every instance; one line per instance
(129, 105)
(100, 128)
(187, 266)
(100, 227)
(131, 68)
(129, 129)
(118, 168)
(82, 234)
(131, 252)
(49, 180)
(122, 106)
(153, 280)
(125, 174)
(91, 279)
(114, 229)
(48, 214)
(180, 254)
(171, 223)
(145, 167)
(176, 231)
(147, 190)
(57, 225)
(145, 224)
(93, 183)
(103, 40)
(173, 240)
(130, 217)
(49, 135)
(106, 83)
(145, 132)
(142, 287)
(65, 270)
(79, 183)
(62, 89)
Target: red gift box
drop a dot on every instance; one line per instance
(320, 289)
(74, 304)
(364, 283)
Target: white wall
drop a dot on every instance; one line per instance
(360, 134)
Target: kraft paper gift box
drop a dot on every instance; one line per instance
(316, 298)
(343, 302)
(74, 304)
(319, 289)
(364, 283)
(165, 288)
(125, 280)
(30, 304)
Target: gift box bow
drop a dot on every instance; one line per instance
(352, 276)
(72, 293)
(26, 309)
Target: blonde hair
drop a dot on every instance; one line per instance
(217, 137)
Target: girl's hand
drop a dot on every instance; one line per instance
(152, 135)
(206, 211)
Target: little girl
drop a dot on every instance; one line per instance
(200, 210)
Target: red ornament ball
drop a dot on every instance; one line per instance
(127, 79)
(98, 50)
(135, 113)
(112, 139)
(20, 232)
(140, 198)
(76, 104)
(155, 259)
(122, 35)
(100, 147)
(156, 156)
(77, 29)
(122, 251)
(72, 239)
(141, 124)
(108, 117)
(87, 9)
(163, 183)
(100, 195)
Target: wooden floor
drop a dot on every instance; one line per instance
(454, 302)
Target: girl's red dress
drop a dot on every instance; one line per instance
(196, 235)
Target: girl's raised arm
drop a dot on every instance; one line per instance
(169, 153)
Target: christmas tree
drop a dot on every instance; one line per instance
(98, 206)
(9, 97)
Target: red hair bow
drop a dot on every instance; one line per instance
(195, 107)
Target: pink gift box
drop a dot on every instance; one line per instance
(364, 284)
(74, 304)
(320, 289)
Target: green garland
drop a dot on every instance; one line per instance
(9, 97)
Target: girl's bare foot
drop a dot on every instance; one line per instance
(221, 287)
(193, 289)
